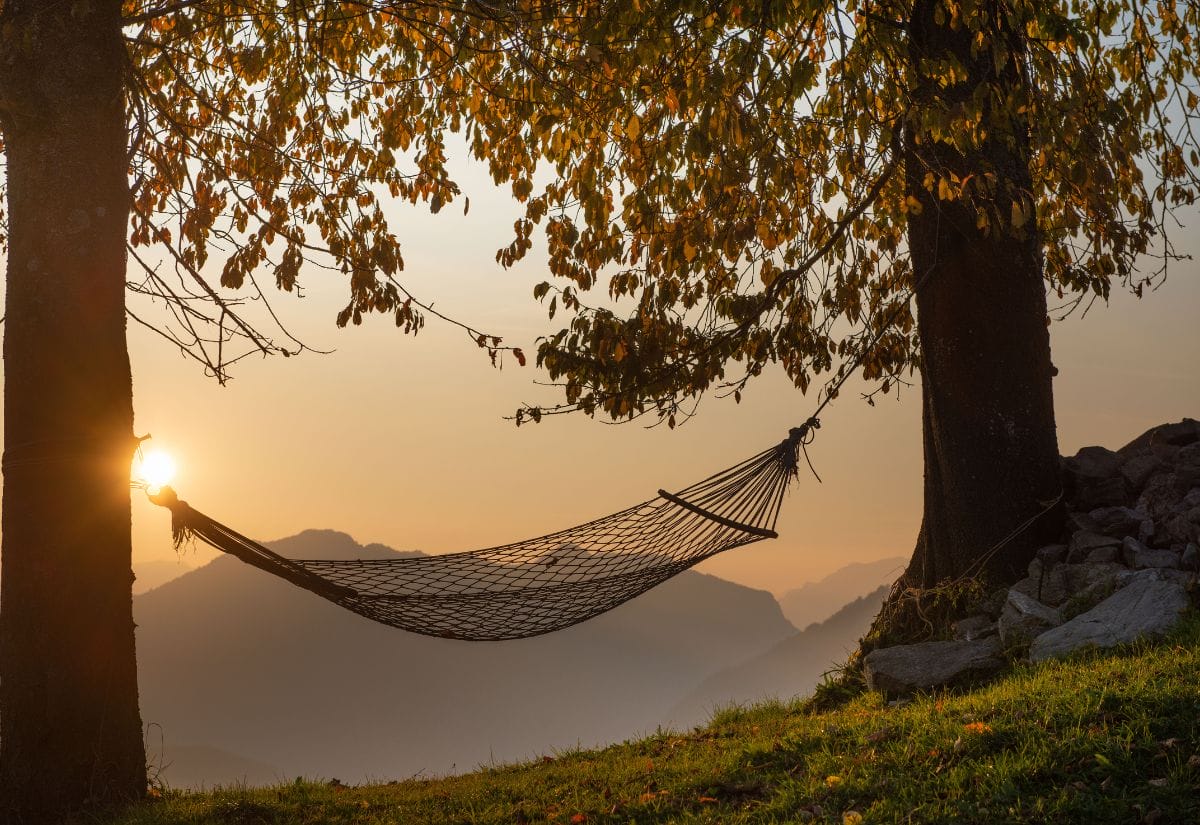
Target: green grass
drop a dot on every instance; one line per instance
(1111, 737)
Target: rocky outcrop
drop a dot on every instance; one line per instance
(1125, 568)
(1148, 606)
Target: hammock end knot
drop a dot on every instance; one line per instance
(798, 438)
(167, 497)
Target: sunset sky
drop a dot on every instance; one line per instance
(404, 441)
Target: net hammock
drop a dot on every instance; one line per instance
(543, 584)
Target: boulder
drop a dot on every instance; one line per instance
(907, 669)
(1104, 555)
(1118, 521)
(1083, 542)
(1094, 479)
(1146, 606)
(974, 627)
(1076, 521)
(1160, 496)
(1052, 554)
(1049, 586)
(1024, 618)
(1139, 556)
(1190, 558)
(1187, 465)
(1180, 528)
(1158, 574)
(1178, 434)
(1137, 470)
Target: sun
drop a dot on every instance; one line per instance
(155, 470)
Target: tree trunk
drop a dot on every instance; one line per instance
(991, 451)
(70, 732)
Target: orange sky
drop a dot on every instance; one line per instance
(403, 441)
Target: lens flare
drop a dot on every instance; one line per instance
(156, 469)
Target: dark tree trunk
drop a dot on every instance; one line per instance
(991, 451)
(70, 733)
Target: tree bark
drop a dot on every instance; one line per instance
(70, 731)
(991, 450)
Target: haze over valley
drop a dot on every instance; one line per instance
(246, 678)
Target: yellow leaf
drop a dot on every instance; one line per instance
(689, 251)
(1018, 214)
(633, 128)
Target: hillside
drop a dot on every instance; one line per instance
(247, 678)
(1100, 738)
(792, 668)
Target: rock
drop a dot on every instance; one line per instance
(1094, 462)
(1146, 606)
(1190, 559)
(1104, 555)
(974, 627)
(1088, 584)
(1139, 556)
(1024, 618)
(1047, 586)
(1052, 554)
(1094, 479)
(1137, 470)
(1181, 528)
(1158, 574)
(1118, 521)
(1187, 465)
(1076, 521)
(1146, 531)
(1160, 496)
(906, 669)
(1178, 434)
(1083, 542)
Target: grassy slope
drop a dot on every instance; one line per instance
(1100, 738)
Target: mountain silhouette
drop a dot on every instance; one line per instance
(789, 669)
(234, 661)
(817, 601)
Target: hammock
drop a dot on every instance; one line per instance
(543, 584)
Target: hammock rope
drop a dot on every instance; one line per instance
(543, 584)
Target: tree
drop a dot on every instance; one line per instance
(232, 139)
(793, 178)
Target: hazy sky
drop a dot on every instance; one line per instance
(403, 441)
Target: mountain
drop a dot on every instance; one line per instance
(817, 601)
(233, 660)
(789, 669)
(148, 575)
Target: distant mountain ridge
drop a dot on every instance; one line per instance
(792, 668)
(817, 601)
(243, 673)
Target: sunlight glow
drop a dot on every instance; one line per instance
(156, 469)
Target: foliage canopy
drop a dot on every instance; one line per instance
(732, 169)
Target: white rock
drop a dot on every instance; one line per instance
(1146, 606)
